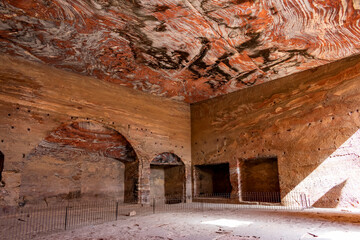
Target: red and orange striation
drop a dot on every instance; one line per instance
(188, 50)
(92, 137)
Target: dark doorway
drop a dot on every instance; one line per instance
(167, 178)
(213, 180)
(260, 180)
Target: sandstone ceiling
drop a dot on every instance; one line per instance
(188, 50)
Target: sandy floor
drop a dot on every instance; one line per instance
(223, 225)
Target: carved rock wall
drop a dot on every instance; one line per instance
(43, 110)
(66, 174)
(309, 121)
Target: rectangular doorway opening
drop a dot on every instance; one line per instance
(260, 180)
(213, 180)
(166, 183)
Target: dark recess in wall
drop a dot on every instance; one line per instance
(213, 180)
(260, 180)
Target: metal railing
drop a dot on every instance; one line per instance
(26, 222)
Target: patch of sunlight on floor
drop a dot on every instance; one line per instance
(336, 235)
(227, 222)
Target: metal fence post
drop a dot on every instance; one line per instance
(117, 210)
(154, 205)
(66, 217)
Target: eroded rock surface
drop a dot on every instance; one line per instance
(308, 122)
(92, 137)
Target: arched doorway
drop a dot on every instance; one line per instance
(81, 160)
(167, 178)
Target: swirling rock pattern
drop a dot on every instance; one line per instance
(92, 137)
(167, 158)
(188, 50)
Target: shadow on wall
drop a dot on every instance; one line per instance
(335, 182)
(332, 197)
(81, 159)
